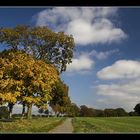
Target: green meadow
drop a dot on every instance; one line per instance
(80, 124)
(106, 124)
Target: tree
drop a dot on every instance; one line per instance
(98, 113)
(25, 79)
(85, 111)
(47, 112)
(60, 101)
(121, 112)
(10, 86)
(41, 42)
(133, 113)
(137, 108)
(109, 112)
(41, 110)
(73, 110)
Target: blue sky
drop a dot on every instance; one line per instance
(105, 72)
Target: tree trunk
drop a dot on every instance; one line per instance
(29, 111)
(23, 110)
(55, 115)
(10, 106)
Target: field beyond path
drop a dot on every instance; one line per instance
(65, 127)
(107, 124)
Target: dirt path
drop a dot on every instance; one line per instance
(65, 127)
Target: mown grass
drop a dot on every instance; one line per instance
(106, 124)
(35, 125)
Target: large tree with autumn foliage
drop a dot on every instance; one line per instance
(25, 79)
(41, 42)
(28, 70)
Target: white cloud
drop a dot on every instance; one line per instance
(87, 25)
(103, 55)
(125, 95)
(81, 64)
(120, 70)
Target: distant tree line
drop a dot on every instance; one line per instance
(83, 111)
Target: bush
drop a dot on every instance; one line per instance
(43, 116)
(17, 115)
(133, 113)
(4, 113)
(38, 115)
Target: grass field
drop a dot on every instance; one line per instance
(27, 126)
(81, 125)
(107, 124)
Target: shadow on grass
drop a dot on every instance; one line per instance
(7, 120)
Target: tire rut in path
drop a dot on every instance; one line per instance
(65, 127)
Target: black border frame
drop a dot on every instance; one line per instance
(69, 2)
(43, 3)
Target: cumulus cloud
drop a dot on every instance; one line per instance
(125, 90)
(120, 70)
(84, 61)
(103, 54)
(87, 25)
(81, 64)
(125, 95)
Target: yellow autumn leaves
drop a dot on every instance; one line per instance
(41, 42)
(25, 79)
(32, 64)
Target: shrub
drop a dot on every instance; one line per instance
(4, 113)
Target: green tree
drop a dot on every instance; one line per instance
(133, 113)
(73, 110)
(137, 108)
(98, 113)
(86, 112)
(41, 42)
(121, 112)
(109, 112)
(60, 101)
